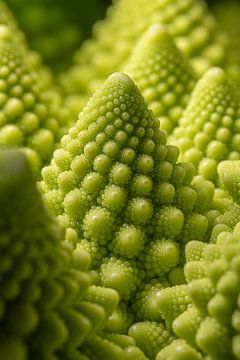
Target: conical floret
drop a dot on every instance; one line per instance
(163, 75)
(209, 129)
(117, 184)
(122, 195)
(32, 115)
(8, 26)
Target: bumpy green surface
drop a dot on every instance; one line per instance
(229, 173)
(178, 350)
(119, 190)
(211, 325)
(48, 308)
(209, 129)
(151, 336)
(163, 282)
(31, 57)
(189, 21)
(163, 75)
(32, 115)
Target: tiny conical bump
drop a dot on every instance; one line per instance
(215, 74)
(5, 32)
(229, 175)
(119, 78)
(162, 73)
(157, 32)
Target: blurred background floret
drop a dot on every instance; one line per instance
(56, 28)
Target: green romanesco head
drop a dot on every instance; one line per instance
(163, 75)
(118, 189)
(118, 185)
(32, 116)
(209, 129)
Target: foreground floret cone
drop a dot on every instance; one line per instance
(48, 310)
(209, 130)
(122, 195)
(163, 75)
(189, 21)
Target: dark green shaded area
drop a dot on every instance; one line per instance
(56, 28)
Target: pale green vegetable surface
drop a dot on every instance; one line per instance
(120, 183)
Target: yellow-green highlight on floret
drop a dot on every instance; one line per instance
(48, 308)
(163, 75)
(209, 129)
(179, 350)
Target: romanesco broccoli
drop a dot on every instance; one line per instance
(142, 260)
(208, 130)
(119, 190)
(163, 75)
(32, 115)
